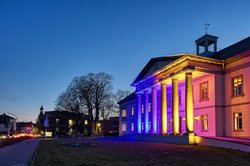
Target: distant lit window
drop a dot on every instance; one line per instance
(237, 121)
(124, 127)
(85, 122)
(169, 100)
(142, 126)
(57, 121)
(124, 113)
(142, 109)
(132, 127)
(132, 111)
(204, 122)
(237, 86)
(204, 91)
(70, 122)
(149, 126)
(149, 107)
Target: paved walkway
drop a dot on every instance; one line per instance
(19, 154)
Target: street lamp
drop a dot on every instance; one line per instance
(99, 125)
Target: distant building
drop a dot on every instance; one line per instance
(25, 127)
(63, 123)
(207, 94)
(7, 125)
(109, 127)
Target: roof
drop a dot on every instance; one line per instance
(60, 113)
(153, 61)
(5, 119)
(235, 49)
(128, 98)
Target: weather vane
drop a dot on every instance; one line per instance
(206, 27)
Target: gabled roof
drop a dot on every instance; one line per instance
(128, 98)
(235, 49)
(153, 61)
(5, 119)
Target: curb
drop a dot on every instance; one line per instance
(31, 162)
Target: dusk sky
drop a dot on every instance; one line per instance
(45, 44)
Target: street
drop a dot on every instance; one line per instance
(19, 154)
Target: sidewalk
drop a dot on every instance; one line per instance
(19, 154)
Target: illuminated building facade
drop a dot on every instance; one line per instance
(207, 94)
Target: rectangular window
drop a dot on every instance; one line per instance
(142, 126)
(204, 91)
(132, 111)
(149, 107)
(237, 121)
(179, 94)
(132, 127)
(142, 109)
(204, 122)
(85, 122)
(124, 127)
(149, 126)
(237, 86)
(169, 100)
(57, 121)
(124, 113)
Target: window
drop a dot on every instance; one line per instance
(149, 126)
(149, 107)
(204, 91)
(169, 101)
(124, 113)
(132, 127)
(57, 121)
(70, 122)
(132, 111)
(179, 94)
(124, 127)
(142, 126)
(85, 122)
(237, 121)
(142, 109)
(237, 86)
(204, 122)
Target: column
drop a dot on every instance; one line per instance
(138, 98)
(189, 104)
(175, 106)
(146, 110)
(164, 108)
(154, 110)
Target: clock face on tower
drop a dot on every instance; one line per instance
(155, 67)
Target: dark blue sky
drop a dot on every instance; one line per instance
(44, 44)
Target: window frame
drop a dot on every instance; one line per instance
(204, 119)
(238, 128)
(206, 97)
(232, 86)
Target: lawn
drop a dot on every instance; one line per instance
(93, 152)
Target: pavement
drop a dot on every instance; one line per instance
(18, 154)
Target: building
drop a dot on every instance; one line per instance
(26, 127)
(63, 123)
(109, 127)
(7, 125)
(207, 94)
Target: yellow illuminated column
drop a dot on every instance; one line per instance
(154, 110)
(164, 108)
(146, 110)
(175, 106)
(189, 104)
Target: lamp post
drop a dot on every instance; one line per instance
(98, 124)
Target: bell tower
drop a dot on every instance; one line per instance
(206, 45)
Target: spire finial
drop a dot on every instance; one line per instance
(206, 27)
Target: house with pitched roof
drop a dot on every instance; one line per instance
(204, 94)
